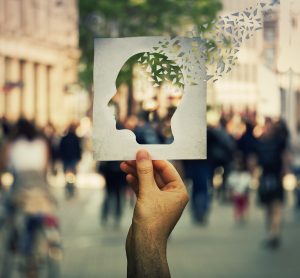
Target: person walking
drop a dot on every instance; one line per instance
(115, 185)
(220, 149)
(29, 198)
(198, 171)
(70, 149)
(271, 148)
(70, 153)
(239, 181)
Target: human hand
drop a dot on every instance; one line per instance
(161, 194)
(161, 199)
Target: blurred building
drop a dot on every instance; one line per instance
(288, 65)
(260, 82)
(237, 89)
(241, 88)
(38, 59)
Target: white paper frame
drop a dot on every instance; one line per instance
(188, 123)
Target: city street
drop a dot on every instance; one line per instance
(212, 86)
(222, 249)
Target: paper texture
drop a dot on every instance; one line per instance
(188, 123)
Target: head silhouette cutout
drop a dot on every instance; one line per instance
(149, 88)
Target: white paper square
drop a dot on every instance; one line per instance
(188, 122)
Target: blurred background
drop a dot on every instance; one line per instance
(64, 215)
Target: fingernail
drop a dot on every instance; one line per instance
(142, 155)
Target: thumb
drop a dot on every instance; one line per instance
(144, 170)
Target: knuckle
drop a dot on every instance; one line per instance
(145, 170)
(185, 197)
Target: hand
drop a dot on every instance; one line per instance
(161, 199)
(161, 194)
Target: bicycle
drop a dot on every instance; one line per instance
(32, 244)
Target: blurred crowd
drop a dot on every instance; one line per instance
(246, 154)
(149, 128)
(29, 224)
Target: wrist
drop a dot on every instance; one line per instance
(149, 235)
(140, 240)
(146, 254)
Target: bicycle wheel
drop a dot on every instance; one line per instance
(44, 258)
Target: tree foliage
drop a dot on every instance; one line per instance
(124, 18)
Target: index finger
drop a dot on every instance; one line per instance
(167, 172)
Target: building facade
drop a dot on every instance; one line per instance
(38, 59)
(266, 78)
(288, 68)
(237, 90)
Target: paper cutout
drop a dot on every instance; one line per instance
(209, 52)
(185, 117)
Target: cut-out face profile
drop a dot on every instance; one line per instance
(149, 89)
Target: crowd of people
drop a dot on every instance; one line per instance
(28, 205)
(150, 132)
(245, 152)
(240, 153)
(24, 140)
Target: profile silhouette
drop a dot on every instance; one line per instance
(149, 88)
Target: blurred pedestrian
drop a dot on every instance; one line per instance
(53, 143)
(70, 149)
(239, 181)
(115, 185)
(220, 147)
(6, 126)
(29, 198)
(4, 133)
(2, 171)
(297, 195)
(271, 148)
(2, 212)
(199, 173)
(1, 155)
(70, 153)
(26, 156)
(246, 144)
(145, 131)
